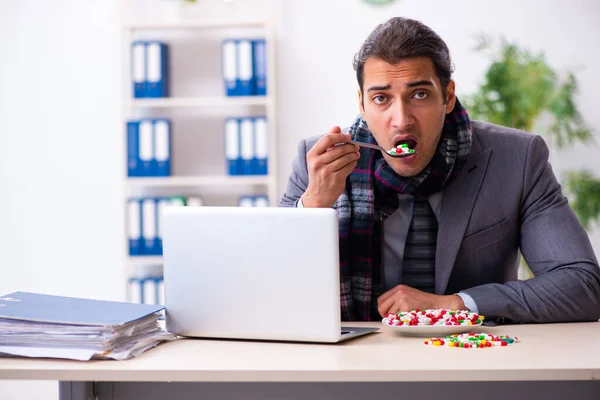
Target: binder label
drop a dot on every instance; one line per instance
(261, 201)
(260, 66)
(139, 64)
(146, 146)
(161, 131)
(229, 61)
(162, 204)
(245, 60)
(232, 143)
(247, 139)
(261, 138)
(133, 215)
(149, 226)
(154, 62)
(245, 201)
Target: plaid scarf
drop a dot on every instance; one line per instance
(370, 197)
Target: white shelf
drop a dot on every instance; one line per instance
(222, 101)
(195, 25)
(206, 180)
(145, 260)
(212, 23)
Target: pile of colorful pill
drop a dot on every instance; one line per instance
(433, 317)
(400, 149)
(472, 340)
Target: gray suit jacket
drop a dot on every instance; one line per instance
(506, 199)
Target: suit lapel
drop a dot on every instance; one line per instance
(457, 204)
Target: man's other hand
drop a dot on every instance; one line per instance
(330, 161)
(405, 298)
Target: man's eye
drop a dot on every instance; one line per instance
(420, 95)
(379, 99)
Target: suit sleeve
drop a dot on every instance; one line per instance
(298, 179)
(566, 286)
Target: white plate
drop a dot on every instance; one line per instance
(432, 331)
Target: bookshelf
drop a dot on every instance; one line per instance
(200, 180)
(201, 102)
(144, 261)
(192, 25)
(197, 107)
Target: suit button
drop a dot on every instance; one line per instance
(500, 320)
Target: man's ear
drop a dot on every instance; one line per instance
(361, 104)
(450, 96)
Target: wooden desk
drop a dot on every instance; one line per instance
(550, 361)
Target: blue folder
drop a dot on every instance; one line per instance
(247, 145)
(150, 227)
(229, 62)
(161, 204)
(71, 310)
(133, 148)
(260, 66)
(134, 227)
(146, 148)
(157, 58)
(138, 69)
(162, 147)
(245, 83)
(231, 138)
(261, 147)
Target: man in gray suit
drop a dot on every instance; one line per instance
(443, 227)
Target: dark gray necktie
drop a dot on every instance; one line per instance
(418, 266)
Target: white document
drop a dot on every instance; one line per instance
(49, 352)
(39, 325)
(86, 354)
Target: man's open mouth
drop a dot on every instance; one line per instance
(411, 143)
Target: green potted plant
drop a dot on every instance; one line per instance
(521, 90)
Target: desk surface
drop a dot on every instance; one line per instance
(545, 352)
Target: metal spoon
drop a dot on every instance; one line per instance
(376, 147)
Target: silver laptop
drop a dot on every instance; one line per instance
(253, 273)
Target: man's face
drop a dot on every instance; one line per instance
(404, 103)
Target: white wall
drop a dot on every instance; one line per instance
(60, 173)
(60, 68)
(318, 39)
(60, 169)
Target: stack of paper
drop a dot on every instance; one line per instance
(37, 325)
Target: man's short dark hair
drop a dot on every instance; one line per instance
(401, 38)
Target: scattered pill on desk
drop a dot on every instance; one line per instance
(433, 317)
(472, 340)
